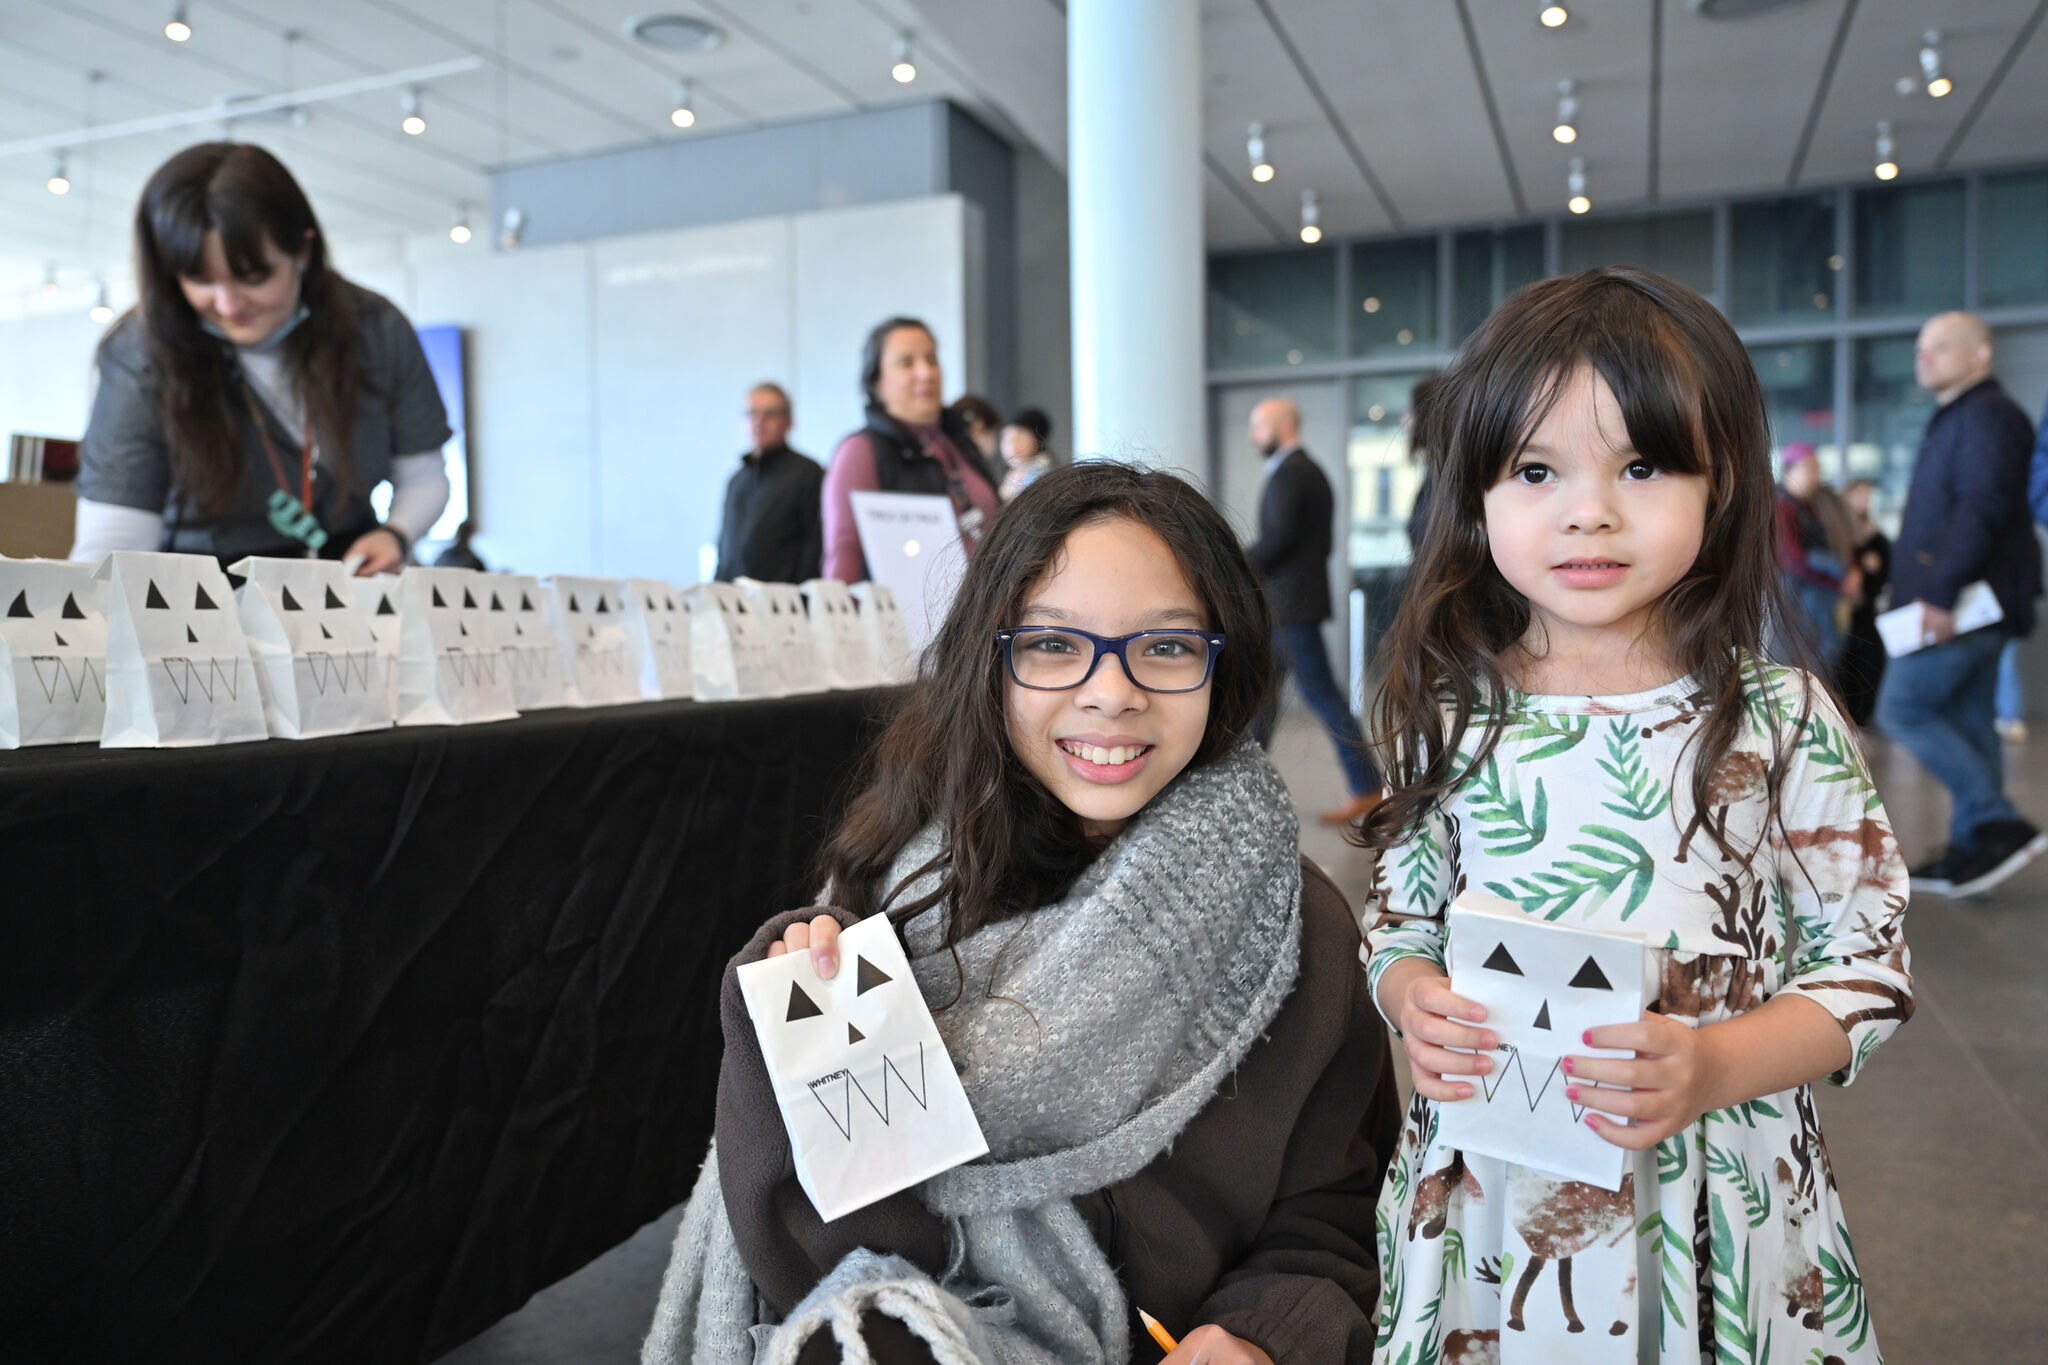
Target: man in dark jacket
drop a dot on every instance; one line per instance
(1296, 510)
(772, 530)
(1966, 521)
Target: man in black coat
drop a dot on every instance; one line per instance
(1966, 521)
(1292, 553)
(773, 529)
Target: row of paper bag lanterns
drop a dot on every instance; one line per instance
(158, 650)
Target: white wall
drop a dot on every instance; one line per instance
(606, 379)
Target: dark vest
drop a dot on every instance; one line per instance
(901, 466)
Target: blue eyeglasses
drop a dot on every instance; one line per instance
(1056, 658)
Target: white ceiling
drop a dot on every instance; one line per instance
(1397, 112)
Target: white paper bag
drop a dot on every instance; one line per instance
(888, 636)
(1543, 985)
(781, 607)
(178, 669)
(532, 642)
(592, 612)
(1904, 632)
(53, 653)
(868, 1093)
(378, 596)
(658, 627)
(730, 658)
(838, 636)
(449, 669)
(317, 665)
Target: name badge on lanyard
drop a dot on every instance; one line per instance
(291, 517)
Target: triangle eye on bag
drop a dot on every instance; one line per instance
(525, 622)
(837, 635)
(888, 633)
(781, 606)
(657, 623)
(53, 653)
(318, 664)
(600, 655)
(450, 671)
(178, 666)
(378, 597)
(731, 657)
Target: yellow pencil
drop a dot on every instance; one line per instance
(1159, 1334)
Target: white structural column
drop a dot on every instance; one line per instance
(1134, 166)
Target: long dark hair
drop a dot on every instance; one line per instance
(871, 354)
(1007, 845)
(247, 196)
(1692, 404)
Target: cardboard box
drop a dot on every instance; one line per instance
(37, 520)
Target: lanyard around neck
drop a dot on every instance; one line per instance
(270, 450)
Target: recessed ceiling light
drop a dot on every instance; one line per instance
(674, 32)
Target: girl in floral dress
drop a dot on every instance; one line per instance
(1581, 721)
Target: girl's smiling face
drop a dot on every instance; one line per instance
(1586, 529)
(1111, 577)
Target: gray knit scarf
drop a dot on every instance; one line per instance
(1087, 1034)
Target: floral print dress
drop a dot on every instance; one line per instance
(1726, 1242)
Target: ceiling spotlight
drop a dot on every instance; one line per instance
(50, 280)
(59, 182)
(1887, 168)
(176, 28)
(1575, 181)
(458, 230)
(1311, 231)
(905, 69)
(684, 115)
(1553, 16)
(410, 103)
(1567, 129)
(511, 228)
(101, 310)
(1938, 84)
(1255, 148)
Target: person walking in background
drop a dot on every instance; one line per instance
(911, 444)
(1024, 450)
(772, 528)
(1966, 521)
(1292, 553)
(984, 423)
(1861, 667)
(1816, 550)
(460, 554)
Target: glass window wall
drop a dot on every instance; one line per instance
(1677, 245)
(1487, 266)
(2014, 239)
(1799, 393)
(1909, 249)
(1394, 297)
(1272, 308)
(1783, 265)
(1384, 477)
(1891, 416)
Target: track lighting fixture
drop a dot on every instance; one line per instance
(458, 230)
(59, 182)
(50, 280)
(684, 115)
(1575, 182)
(1887, 167)
(409, 103)
(1938, 83)
(905, 69)
(1553, 16)
(1567, 128)
(178, 28)
(1311, 230)
(101, 311)
(1255, 149)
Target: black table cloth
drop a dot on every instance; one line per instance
(339, 1050)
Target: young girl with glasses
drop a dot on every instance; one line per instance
(1153, 1001)
(1582, 722)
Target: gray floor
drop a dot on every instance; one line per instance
(1941, 1149)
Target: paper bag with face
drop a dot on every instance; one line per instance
(178, 670)
(449, 669)
(379, 596)
(730, 657)
(782, 612)
(531, 639)
(868, 1093)
(658, 626)
(888, 633)
(838, 636)
(592, 612)
(53, 653)
(1543, 985)
(317, 665)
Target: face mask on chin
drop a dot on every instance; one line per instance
(290, 324)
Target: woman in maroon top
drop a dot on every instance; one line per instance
(909, 445)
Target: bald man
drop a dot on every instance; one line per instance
(1296, 514)
(1966, 521)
